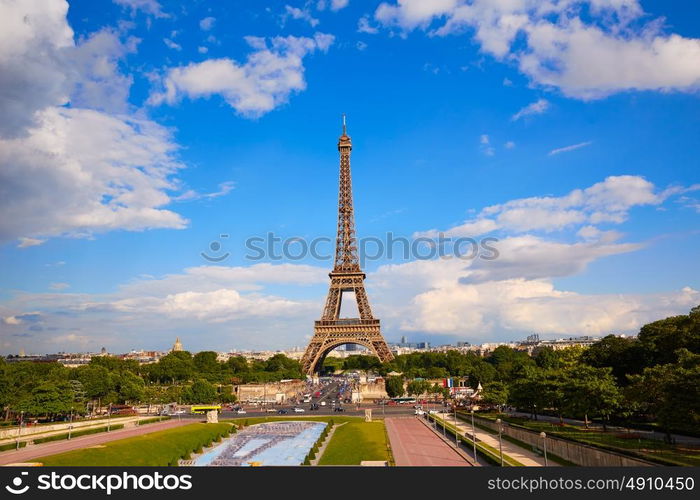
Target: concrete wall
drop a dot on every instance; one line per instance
(272, 391)
(578, 453)
(373, 390)
(63, 426)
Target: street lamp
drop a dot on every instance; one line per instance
(456, 428)
(474, 435)
(70, 424)
(543, 435)
(109, 417)
(19, 431)
(500, 438)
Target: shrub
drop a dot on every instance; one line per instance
(12, 446)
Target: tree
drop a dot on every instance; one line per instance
(129, 387)
(670, 392)
(417, 387)
(394, 387)
(625, 356)
(48, 398)
(495, 393)
(174, 367)
(207, 366)
(200, 392)
(592, 391)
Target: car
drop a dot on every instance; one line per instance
(298, 410)
(419, 412)
(432, 412)
(270, 410)
(180, 412)
(339, 408)
(241, 411)
(323, 403)
(282, 411)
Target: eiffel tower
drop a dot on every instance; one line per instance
(332, 331)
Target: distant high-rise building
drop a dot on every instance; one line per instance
(404, 340)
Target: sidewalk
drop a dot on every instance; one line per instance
(522, 455)
(30, 434)
(41, 450)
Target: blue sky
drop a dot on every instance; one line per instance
(136, 132)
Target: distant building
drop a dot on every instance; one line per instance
(177, 346)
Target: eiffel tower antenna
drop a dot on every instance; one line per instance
(347, 276)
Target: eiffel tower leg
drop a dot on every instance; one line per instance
(362, 303)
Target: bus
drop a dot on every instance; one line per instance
(402, 401)
(201, 409)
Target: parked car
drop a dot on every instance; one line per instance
(298, 410)
(419, 412)
(241, 411)
(270, 410)
(282, 411)
(339, 408)
(323, 403)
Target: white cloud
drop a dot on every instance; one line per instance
(208, 306)
(207, 23)
(509, 145)
(54, 182)
(171, 44)
(271, 73)
(339, 4)
(573, 147)
(364, 26)
(535, 108)
(361, 45)
(81, 169)
(25, 242)
(606, 201)
(202, 50)
(612, 50)
(410, 14)
(189, 195)
(302, 14)
(59, 286)
(485, 145)
(151, 7)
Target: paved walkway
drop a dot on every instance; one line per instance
(523, 455)
(36, 432)
(413, 444)
(41, 450)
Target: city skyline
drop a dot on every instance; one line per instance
(151, 131)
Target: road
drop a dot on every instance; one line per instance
(41, 450)
(414, 444)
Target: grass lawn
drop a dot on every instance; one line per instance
(160, 448)
(622, 442)
(356, 441)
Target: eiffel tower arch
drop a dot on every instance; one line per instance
(331, 330)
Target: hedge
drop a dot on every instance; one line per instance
(85, 432)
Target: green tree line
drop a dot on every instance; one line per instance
(652, 377)
(51, 389)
